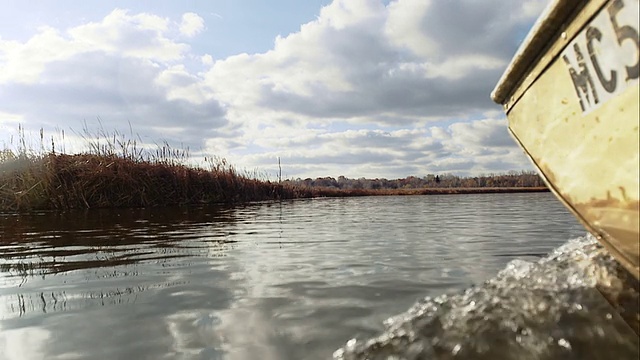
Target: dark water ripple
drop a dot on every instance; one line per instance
(291, 280)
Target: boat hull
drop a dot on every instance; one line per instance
(575, 113)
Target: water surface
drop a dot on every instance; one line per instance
(289, 280)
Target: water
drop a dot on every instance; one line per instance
(291, 280)
(554, 308)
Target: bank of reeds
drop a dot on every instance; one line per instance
(115, 171)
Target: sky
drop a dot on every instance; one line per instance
(355, 88)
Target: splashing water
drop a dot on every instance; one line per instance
(569, 305)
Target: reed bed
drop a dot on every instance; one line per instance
(116, 171)
(119, 170)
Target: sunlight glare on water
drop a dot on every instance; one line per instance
(290, 280)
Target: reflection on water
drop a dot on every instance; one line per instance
(103, 250)
(291, 280)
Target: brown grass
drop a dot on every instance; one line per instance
(116, 171)
(59, 181)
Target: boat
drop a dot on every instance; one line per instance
(571, 99)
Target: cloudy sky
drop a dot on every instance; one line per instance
(360, 88)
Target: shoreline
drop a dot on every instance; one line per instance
(331, 192)
(85, 181)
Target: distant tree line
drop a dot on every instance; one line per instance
(510, 179)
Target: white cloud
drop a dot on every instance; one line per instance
(191, 24)
(362, 64)
(403, 26)
(342, 14)
(125, 68)
(9, 124)
(465, 147)
(463, 67)
(532, 8)
(179, 84)
(363, 90)
(142, 36)
(8, 118)
(362, 60)
(481, 134)
(25, 62)
(206, 59)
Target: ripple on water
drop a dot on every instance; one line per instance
(549, 309)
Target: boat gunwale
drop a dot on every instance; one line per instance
(534, 46)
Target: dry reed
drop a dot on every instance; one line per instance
(117, 170)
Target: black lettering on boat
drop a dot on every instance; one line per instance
(582, 80)
(593, 33)
(611, 63)
(623, 33)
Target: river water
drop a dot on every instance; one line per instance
(309, 279)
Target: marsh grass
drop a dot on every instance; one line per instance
(118, 170)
